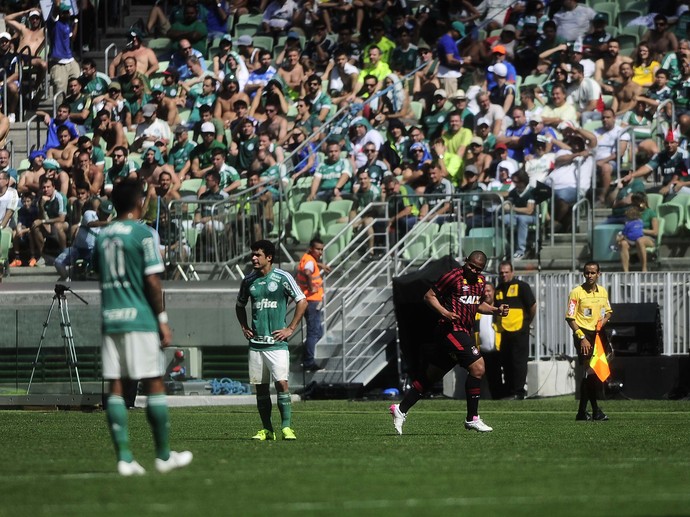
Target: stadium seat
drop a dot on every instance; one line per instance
(447, 242)
(190, 187)
(336, 245)
(342, 206)
(673, 213)
(307, 220)
(625, 17)
(654, 200)
(264, 42)
(160, 43)
(417, 109)
(480, 239)
(418, 245)
(5, 246)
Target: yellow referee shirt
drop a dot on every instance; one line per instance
(587, 308)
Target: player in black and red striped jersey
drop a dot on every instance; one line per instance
(457, 297)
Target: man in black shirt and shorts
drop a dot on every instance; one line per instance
(457, 297)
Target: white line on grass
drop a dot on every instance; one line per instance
(527, 501)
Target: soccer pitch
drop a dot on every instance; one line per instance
(349, 461)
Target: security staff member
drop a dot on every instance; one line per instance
(514, 329)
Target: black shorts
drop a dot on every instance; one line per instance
(591, 336)
(454, 347)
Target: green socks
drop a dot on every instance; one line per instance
(265, 406)
(117, 422)
(159, 420)
(285, 408)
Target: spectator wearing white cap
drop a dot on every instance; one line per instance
(498, 55)
(201, 157)
(436, 116)
(459, 101)
(151, 130)
(30, 35)
(503, 93)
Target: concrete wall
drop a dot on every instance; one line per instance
(201, 314)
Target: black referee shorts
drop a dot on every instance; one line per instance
(591, 336)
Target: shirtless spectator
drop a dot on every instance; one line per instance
(112, 132)
(275, 123)
(625, 94)
(86, 173)
(64, 152)
(660, 39)
(28, 181)
(153, 164)
(228, 95)
(292, 73)
(607, 68)
(166, 108)
(147, 62)
(159, 197)
(32, 37)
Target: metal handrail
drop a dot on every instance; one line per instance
(55, 103)
(631, 150)
(28, 133)
(3, 74)
(9, 146)
(20, 79)
(590, 226)
(106, 52)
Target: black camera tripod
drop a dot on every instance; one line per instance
(67, 336)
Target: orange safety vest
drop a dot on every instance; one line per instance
(316, 279)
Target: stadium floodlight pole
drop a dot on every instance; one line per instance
(67, 336)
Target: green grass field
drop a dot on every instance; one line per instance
(349, 461)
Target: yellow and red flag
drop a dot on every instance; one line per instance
(598, 362)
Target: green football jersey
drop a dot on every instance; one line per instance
(270, 295)
(330, 174)
(126, 252)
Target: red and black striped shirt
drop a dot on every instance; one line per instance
(461, 297)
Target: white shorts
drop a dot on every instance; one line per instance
(267, 365)
(132, 355)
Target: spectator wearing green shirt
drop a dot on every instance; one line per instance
(180, 152)
(332, 177)
(190, 28)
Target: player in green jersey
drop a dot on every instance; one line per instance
(135, 326)
(270, 290)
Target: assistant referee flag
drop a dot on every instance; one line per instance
(598, 362)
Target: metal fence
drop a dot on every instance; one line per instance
(670, 290)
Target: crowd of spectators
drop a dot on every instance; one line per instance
(441, 97)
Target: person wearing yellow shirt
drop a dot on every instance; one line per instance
(450, 163)
(376, 67)
(378, 39)
(587, 313)
(456, 137)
